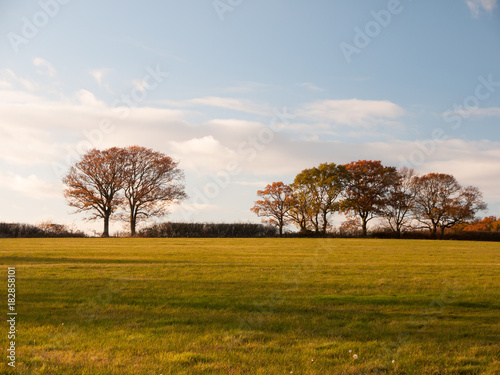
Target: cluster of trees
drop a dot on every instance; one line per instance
(365, 190)
(487, 224)
(131, 184)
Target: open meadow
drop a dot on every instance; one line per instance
(253, 306)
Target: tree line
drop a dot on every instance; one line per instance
(43, 230)
(365, 190)
(129, 184)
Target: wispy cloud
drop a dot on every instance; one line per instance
(353, 112)
(476, 6)
(478, 112)
(140, 84)
(311, 86)
(45, 67)
(9, 76)
(246, 87)
(31, 186)
(204, 155)
(99, 75)
(240, 105)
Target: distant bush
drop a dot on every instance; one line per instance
(208, 230)
(45, 230)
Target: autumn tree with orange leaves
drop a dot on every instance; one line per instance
(151, 182)
(93, 184)
(138, 181)
(275, 204)
(400, 200)
(487, 224)
(441, 202)
(368, 188)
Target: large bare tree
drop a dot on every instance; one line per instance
(93, 184)
(152, 181)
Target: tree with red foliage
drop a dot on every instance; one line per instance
(275, 204)
(488, 224)
(93, 184)
(400, 201)
(367, 190)
(443, 203)
(152, 181)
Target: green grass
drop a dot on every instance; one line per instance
(253, 306)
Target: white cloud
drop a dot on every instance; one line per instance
(203, 155)
(46, 67)
(246, 87)
(241, 105)
(476, 6)
(26, 83)
(99, 74)
(31, 186)
(86, 98)
(352, 112)
(234, 123)
(479, 112)
(140, 84)
(25, 145)
(5, 85)
(311, 86)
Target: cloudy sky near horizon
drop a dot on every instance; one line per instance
(244, 93)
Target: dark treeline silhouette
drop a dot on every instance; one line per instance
(208, 230)
(18, 230)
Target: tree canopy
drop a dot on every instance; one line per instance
(365, 190)
(134, 179)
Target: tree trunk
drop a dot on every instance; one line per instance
(324, 225)
(133, 222)
(106, 226)
(365, 231)
(442, 233)
(434, 231)
(281, 229)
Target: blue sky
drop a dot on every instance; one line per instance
(244, 93)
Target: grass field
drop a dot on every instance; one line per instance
(253, 306)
